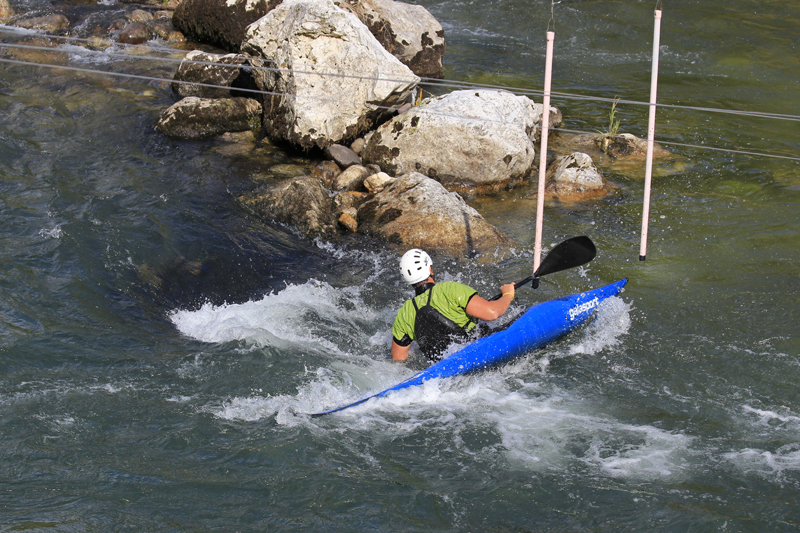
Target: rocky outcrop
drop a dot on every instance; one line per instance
(412, 210)
(331, 79)
(407, 31)
(203, 118)
(416, 211)
(221, 23)
(303, 202)
(470, 140)
(207, 75)
(574, 177)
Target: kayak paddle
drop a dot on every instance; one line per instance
(571, 253)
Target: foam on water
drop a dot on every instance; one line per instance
(766, 463)
(540, 427)
(780, 453)
(771, 418)
(612, 320)
(312, 315)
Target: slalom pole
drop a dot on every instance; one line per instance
(651, 130)
(548, 70)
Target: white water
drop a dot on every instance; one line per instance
(538, 426)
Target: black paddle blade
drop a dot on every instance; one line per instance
(571, 253)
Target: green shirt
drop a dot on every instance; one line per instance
(450, 298)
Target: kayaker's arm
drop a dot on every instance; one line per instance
(490, 310)
(399, 353)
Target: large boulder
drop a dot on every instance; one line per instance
(417, 211)
(207, 75)
(303, 202)
(221, 23)
(407, 31)
(203, 118)
(470, 140)
(331, 79)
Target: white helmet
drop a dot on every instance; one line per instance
(415, 266)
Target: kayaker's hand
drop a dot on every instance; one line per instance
(508, 288)
(535, 283)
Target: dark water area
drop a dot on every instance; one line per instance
(160, 347)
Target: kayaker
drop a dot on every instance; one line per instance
(440, 313)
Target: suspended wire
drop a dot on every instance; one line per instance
(444, 83)
(355, 74)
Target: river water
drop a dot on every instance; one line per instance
(160, 348)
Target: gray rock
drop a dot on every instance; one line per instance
(140, 15)
(221, 23)
(416, 211)
(326, 171)
(351, 179)
(342, 155)
(225, 72)
(470, 140)
(304, 203)
(48, 23)
(308, 41)
(407, 31)
(202, 118)
(346, 202)
(574, 177)
(358, 145)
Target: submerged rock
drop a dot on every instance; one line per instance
(134, 33)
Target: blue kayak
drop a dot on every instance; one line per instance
(541, 324)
